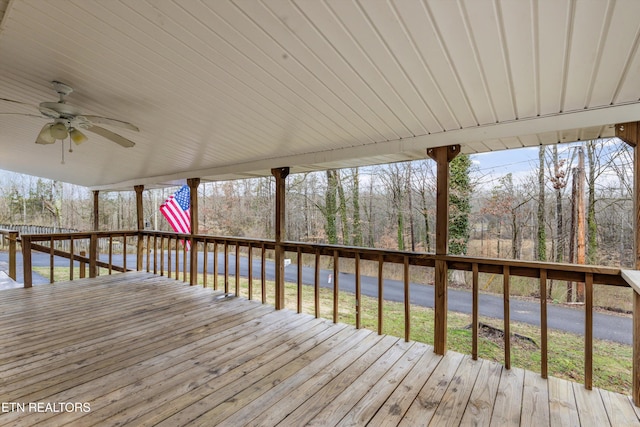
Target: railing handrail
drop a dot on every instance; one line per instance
(79, 235)
(555, 271)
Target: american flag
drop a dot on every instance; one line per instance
(177, 210)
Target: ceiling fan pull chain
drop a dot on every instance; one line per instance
(62, 162)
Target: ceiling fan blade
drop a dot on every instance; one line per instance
(22, 114)
(15, 102)
(112, 122)
(118, 139)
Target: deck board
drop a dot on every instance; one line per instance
(482, 399)
(508, 405)
(147, 350)
(535, 402)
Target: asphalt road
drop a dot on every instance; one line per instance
(609, 327)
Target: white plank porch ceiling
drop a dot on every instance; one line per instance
(229, 89)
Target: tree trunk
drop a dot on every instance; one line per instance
(541, 241)
(411, 231)
(357, 226)
(559, 245)
(581, 247)
(342, 208)
(515, 253)
(400, 216)
(425, 215)
(592, 229)
(329, 210)
(572, 235)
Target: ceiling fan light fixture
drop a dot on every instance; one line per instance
(76, 136)
(59, 131)
(45, 137)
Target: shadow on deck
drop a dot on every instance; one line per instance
(140, 349)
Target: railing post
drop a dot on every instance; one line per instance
(193, 184)
(26, 261)
(13, 237)
(83, 267)
(93, 255)
(632, 277)
(442, 156)
(630, 133)
(280, 174)
(140, 217)
(636, 349)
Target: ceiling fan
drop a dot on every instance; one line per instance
(68, 120)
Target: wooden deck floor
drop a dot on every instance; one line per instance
(137, 349)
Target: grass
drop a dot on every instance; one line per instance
(612, 362)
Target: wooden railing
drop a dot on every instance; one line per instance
(79, 244)
(10, 238)
(163, 253)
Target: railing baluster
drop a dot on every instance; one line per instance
(237, 269)
(544, 366)
(250, 272)
(71, 248)
(336, 288)
(148, 253)
(162, 255)
(51, 260)
(205, 261)
(169, 257)
(507, 320)
(474, 311)
(588, 331)
(193, 261)
(124, 252)
(380, 292)
(263, 274)
(316, 286)
(358, 292)
(407, 298)
(215, 266)
(110, 253)
(299, 297)
(177, 258)
(226, 267)
(155, 254)
(184, 261)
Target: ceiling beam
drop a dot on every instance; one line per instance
(606, 116)
(628, 132)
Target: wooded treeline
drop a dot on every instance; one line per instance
(531, 215)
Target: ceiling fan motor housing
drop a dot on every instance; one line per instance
(56, 110)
